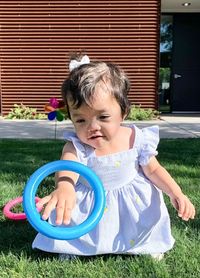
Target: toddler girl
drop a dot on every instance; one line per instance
(136, 219)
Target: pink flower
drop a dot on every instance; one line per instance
(54, 102)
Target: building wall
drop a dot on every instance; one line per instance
(36, 38)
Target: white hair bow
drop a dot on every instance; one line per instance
(75, 64)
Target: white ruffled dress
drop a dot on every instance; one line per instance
(135, 220)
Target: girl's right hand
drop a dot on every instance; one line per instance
(63, 199)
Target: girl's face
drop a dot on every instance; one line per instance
(98, 123)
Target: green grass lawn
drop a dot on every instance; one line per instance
(20, 158)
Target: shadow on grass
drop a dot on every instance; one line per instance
(20, 159)
(180, 151)
(17, 237)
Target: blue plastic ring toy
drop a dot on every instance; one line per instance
(63, 233)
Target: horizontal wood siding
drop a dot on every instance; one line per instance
(37, 36)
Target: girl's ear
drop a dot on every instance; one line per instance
(124, 117)
(128, 109)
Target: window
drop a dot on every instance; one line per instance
(166, 41)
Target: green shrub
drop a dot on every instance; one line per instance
(138, 114)
(20, 111)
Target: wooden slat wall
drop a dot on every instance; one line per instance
(37, 36)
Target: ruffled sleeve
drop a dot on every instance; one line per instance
(83, 151)
(149, 143)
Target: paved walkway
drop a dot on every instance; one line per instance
(171, 126)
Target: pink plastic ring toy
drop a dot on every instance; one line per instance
(16, 216)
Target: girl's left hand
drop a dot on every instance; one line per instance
(183, 205)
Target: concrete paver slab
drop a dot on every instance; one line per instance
(170, 127)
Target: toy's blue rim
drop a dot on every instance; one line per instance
(56, 232)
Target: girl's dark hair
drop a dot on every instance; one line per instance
(80, 86)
